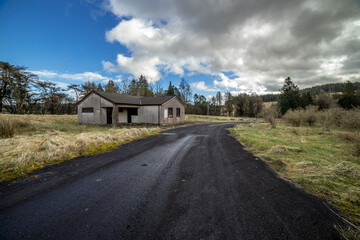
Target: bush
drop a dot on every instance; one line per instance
(270, 114)
(7, 127)
(337, 115)
(294, 117)
(309, 115)
(350, 119)
(325, 119)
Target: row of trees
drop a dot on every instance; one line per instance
(290, 98)
(243, 104)
(22, 92)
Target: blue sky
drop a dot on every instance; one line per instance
(63, 37)
(241, 46)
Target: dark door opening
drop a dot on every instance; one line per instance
(130, 112)
(109, 115)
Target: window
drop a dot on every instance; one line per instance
(121, 109)
(165, 113)
(132, 111)
(170, 112)
(177, 112)
(87, 110)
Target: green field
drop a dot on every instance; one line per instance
(322, 163)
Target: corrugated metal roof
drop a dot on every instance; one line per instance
(133, 100)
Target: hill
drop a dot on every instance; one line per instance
(329, 88)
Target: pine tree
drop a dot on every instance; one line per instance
(348, 99)
(289, 97)
(306, 100)
(111, 87)
(171, 90)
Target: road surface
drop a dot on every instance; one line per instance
(194, 182)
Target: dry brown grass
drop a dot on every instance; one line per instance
(44, 139)
(204, 119)
(322, 163)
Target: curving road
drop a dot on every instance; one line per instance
(187, 183)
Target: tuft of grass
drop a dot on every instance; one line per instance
(321, 163)
(39, 140)
(7, 127)
(353, 138)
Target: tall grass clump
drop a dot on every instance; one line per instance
(7, 127)
(353, 138)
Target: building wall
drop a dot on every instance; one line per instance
(148, 114)
(173, 103)
(123, 116)
(99, 115)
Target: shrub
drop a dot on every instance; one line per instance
(294, 117)
(337, 115)
(350, 119)
(325, 119)
(7, 127)
(270, 114)
(309, 115)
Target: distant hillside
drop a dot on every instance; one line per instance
(329, 88)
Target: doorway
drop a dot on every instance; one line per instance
(109, 115)
(130, 112)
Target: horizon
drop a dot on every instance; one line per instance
(226, 46)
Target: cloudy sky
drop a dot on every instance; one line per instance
(216, 45)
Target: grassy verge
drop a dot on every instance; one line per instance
(214, 119)
(320, 162)
(44, 139)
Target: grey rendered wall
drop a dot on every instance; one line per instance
(99, 115)
(123, 116)
(173, 103)
(148, 114)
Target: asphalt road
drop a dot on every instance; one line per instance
(187, 183)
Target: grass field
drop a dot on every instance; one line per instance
(320, 162)
(44, 139)
(204, 119)
(39, 140)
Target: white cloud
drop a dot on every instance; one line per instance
(45, 73)
(86, 76)
(202, 87)
(61, 85)
(109, 66)
(259, 41)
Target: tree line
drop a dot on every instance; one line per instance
(21, 92)
(227, 104)
(291, 98)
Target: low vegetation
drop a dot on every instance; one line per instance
(28, 142)
(323, 163)
(204, 119)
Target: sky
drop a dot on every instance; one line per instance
(216, 45)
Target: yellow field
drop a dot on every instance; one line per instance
(44, 139)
